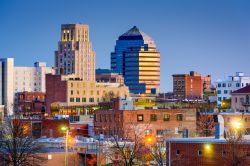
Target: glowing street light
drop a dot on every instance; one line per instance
(149, 139)
(237, 125)
(66, 129)
(208, 147)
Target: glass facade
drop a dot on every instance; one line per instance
(136, 57)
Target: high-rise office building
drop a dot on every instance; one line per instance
(75, 54)
(31, 79)
(6, 84)
(14, 79)
(137, 58)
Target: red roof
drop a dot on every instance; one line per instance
(246, 89)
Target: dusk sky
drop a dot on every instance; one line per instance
(208, 36)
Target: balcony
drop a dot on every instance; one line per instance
(246, 103)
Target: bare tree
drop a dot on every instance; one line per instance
(17, 147)
(127, 145)
(236, 154)
(205, 124)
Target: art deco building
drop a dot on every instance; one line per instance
(75, 55)
(137, 58)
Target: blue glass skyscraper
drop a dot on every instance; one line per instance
(136, 58)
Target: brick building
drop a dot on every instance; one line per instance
(158, 122)
(56, 90)
(31, 103)
(206, 151)
(190, 86)
(231, 117)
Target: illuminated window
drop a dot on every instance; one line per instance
(179, 117)
(140, 118)
(71, 99)
(166, 117)
(153, 117)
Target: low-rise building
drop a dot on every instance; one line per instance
(240, 101)
(158, 122)
(73, 91)
(231, 84)
(31, 103)
(106, 75)
(190, 86)
(207, 151)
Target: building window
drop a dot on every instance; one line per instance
(177, 152)
(223, 153)
(153, 117)
(219, 85)
(166, 117)
(84, 92)
(97, 92)
(229, 85)
(159, 133)
(148, 131)
(237, 84)
(219, 92)
(140, 118)
(235, 99)
(247, 99)
(199, 153)
(78, 100)
(84, 99)
(224, 85)
(219, 98)
(71, 99)
(92, 92)
(91, 100)
(72, 92)
(225, 91)
(179, 117)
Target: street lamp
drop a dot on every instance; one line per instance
(66, 130)
(236, 124)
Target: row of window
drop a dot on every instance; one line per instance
(225, 91)
(200, 153)
(78, 100)
(242, 99)
(220, 98)
(230, 84)
(140, 117)
(153, 117)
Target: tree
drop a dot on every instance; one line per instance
(236, 154)
(17, 147)
(205, 124)
(127, 145)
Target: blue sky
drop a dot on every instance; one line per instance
(209, 36)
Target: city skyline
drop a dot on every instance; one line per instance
(209, 37)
